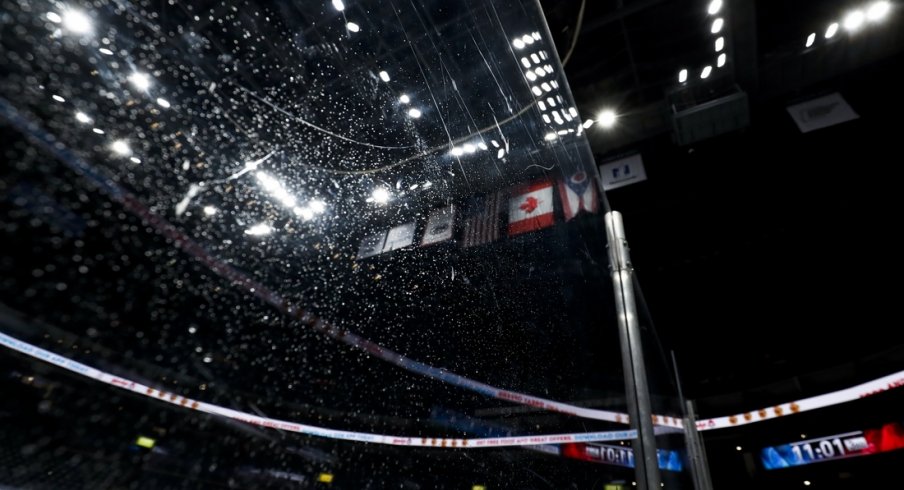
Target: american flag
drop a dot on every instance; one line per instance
(482, 222)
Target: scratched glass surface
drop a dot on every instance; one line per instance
(281, 208)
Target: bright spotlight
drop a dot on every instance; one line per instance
(304, 213)
(518, 43)
(163, 103)
(878, 11)
(469, 148)
(317, 206)
(352, 27)
(210, 210)
(717, 25)
(607, 118)
(714, 7)
(587, 123)
(140, 81)
(721, 61)
(811, 39)
(457, 151)
(338, 5)
(76, 22)
(380, 195)
(831, 30)
(720, 44)
(414, 113)
(259, 229)
(384, 76)
(404, 99)
(550, 136)
(706, 71)
(854, 20)
(82, 117)
(121, 148)
(682, 75)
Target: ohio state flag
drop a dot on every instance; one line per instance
(578, 193)
(531, 207)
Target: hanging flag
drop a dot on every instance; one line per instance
(578, 193)
(482, 223)
(372, 245)
(531, 207)
(440, 225)
(622, 172)
(399, 237)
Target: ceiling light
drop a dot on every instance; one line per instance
(540, 71)
(682, 75)
(259, 229)
(338, 5)
(546, 119)
(854, 20)
(706, 71)
(717, 25)
(807, 483)
(811, 39)
(587, 123)
(831, 30)
(607, 118)
(352, 27)
(535, 35)
(135, 160)
(98, 130)
(530, 75)
(54, 17)
(209, 211)
(58, 98)
(140, 81)
(427, 184)
(457, 152)
(317, 206)
(551, 101)
(500, 153)
(536, 90)
(384, 76)
(105, 51)
(720, 44)
(550, 136)
(482, 145)
(304, 213)
(541, 105)
(121, 148)
(82, 117)
(518, 43)
(525, 61)
(77, 22)
(721, 61)
(527, 39)
(163, 103)
(469, 148)
(714, 7)
(380, 195)
(546, 86)
(878, 11)
(414, 113)
(536, 58)
(404, 99)
(739, 448)
(573, 111)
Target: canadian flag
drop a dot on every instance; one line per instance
(578, 193)
(531, 207)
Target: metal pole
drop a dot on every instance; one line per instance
(696, 450)
(637, 393)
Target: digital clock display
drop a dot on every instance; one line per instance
(887, 438)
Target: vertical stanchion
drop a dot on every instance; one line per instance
(696, 451)
(637, 391)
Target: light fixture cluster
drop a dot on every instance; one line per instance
(542, 79)
(278, 191)
(477, 146)
(854, 20)
(717, 29)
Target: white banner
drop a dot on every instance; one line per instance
(822, 112)
(622, 172)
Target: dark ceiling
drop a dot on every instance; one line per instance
(764, 255)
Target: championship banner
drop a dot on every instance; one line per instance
(482, 222)
(399, 237)
(578, 193)
(440, 226)
(372, 245)
(531, 208)
(821, 113)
